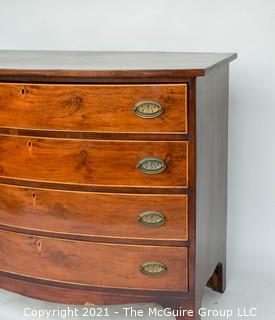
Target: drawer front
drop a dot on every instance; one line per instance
(135, 216)
(95, 264)
(144, 108)
(87, 162)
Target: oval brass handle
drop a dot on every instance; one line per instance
(153, 268)
(151, 219)
(151, 165)
(148, 109)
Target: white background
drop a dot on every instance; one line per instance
(243, 26)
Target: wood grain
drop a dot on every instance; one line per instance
(90, 263)
(70, 156)
(99, 65)
(83, 295)
(212, 141)
(92, 108)
(95, 135)
(91, 162)
(100, 215)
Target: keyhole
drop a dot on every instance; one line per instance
(23, 91)
(34, 198)
(39, 245)
(29, 145)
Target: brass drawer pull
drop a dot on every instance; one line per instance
(148, 109)
(151, 219)
(153, 268)
(151, 165)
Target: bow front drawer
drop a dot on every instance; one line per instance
(95, 162)
(147, 108)
(91, 214)
(95, 264)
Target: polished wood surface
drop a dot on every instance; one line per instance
(83, 295)
(92, 215)
(92, 264)
(92, 108)
(92, 162)
(65, 186)
(109, 64)
(211, 180)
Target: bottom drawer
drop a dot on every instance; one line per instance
(95, 264)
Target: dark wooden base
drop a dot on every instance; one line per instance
(217, 282)
(79, 296)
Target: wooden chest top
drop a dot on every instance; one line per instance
(109, 64)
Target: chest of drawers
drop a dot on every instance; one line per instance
(113, 176)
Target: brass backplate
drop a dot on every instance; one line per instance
(153, 268)
(151, 165)
(148, 109)
(151, 219)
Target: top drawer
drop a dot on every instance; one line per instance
(146, 108)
